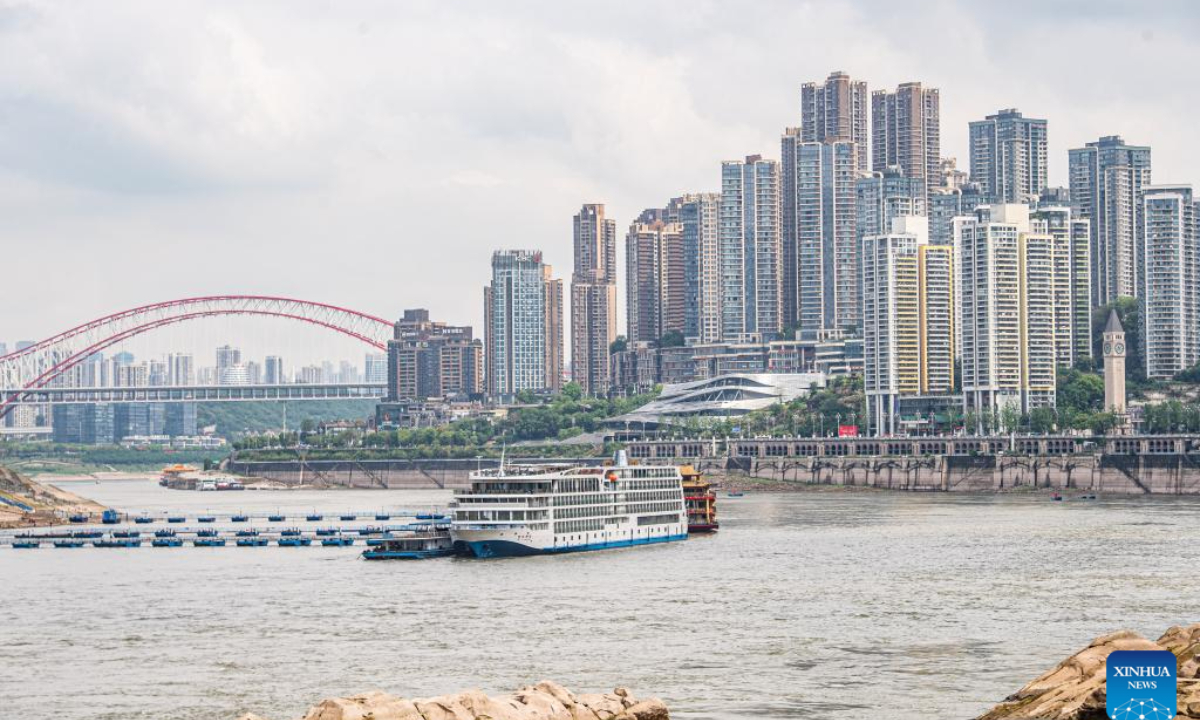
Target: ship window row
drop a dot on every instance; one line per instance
(495, 488)
(583, 511)
(668, 482)
(653, 507)
(501, 515)
(473, 500)
(658, 519)
(569, 485)
(654, 495)
(576, 526)
(583, 499)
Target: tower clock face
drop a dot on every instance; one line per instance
(1119, 349)
(1107, 348)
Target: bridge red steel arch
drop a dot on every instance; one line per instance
(38, 365)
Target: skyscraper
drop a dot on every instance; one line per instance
(884, 195)
(1009, 157)
(1006, 284)
(374, 367)
(906, 133)
(1071, 247)
(751, 249)
(593, 298)
(180, 369)
(523, 325)
(908, 320)
(699, 217)
(1169, 303)
(1107, 178)
(655, 278)
(227, 357)
(827, 268)
(836, 110)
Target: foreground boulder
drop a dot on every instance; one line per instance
(1075, 688)
(544, 701)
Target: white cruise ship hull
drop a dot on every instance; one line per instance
(514, 542)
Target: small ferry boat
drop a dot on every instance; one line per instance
(164, 533)
(110, 517)
(364, 532)
(240, 518)
(339, 541)
(209, 542)
(166, 542)
(327, 532)
(419, 545)
(126, 534)
(700, 500)
(89, 534)
(26, 544)
(143, 520)
(79, 518)
(276, 518)
(314, 517)
(291, 532)
(206, 533)
(347, 517)
(295, 541)
(381, 516)
(735, 494)
(251, 541)
(206, 519)
(68, 543)
(250, 532)
(553, 508)
(176, 519)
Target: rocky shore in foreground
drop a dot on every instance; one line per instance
(1075, 688)
(27, 503)
(543, 701)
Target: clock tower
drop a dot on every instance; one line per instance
(1114, 365)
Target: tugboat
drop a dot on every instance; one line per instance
(417, 545)
(701, 502)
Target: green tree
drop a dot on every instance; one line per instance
(671, 339)
(619, 345)
(1130, 317)
(1043, 420)
(572, 391)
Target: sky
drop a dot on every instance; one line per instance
(373, 154)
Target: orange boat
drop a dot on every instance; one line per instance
(701, 501)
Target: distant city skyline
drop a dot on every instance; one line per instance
(295, 169)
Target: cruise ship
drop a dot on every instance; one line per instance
(535, 509)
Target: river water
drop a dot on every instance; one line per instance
(813, 605)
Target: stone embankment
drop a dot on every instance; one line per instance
(1075, 688)
(544, 701)
(25, 503)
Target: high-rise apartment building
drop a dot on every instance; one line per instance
(699, 220)
(948, 203)
(593, 298)
(906, 133)
(273, 373)
(823, 175)
(523, 325)
(882, 196)
(430, 359)
(655, 278)
(751, 249)
(836, 110)
(227, 357)
(1106, 182)
(1009, 157)
(908, 322)
(374, 367)
(1007, 317)
(180, 369)
(1071, 248)
(1170, 301)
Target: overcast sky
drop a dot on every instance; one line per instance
(373, 154)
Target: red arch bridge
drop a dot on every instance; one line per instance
(33, 375)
